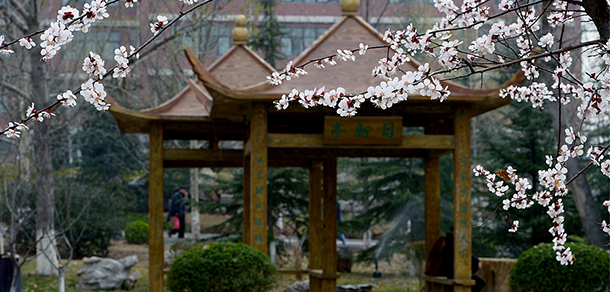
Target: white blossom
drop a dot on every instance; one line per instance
(95, 94)
(26, 42)
(67, 99)
(547, 40)
(514, 226)
(605, 168)
(94, 65)
(129, 3)
(363, 49)
(67, 14)
(155, 27)
(346, 55)
(4, 51)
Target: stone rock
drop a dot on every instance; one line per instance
(355, 288)
(344, 260)
(169, 256)
(298, 286)
(365, 287)
(107, 274)
(131, 281)
(303, 286)
(347, 288)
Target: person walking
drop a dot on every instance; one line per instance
(177, 211)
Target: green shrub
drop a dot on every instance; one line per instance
(221, 267)
(538, 270)
(137, 232)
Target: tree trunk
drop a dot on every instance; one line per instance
(45, 199)
(195, 230)
(62, 280)
(15, 279)
(599, 11)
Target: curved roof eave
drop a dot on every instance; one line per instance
(132, 121)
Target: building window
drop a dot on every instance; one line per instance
(286, 48)
(212, 41)
(98, 41)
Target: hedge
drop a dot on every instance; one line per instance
(137, 232)
(538, 270)
(221, 267)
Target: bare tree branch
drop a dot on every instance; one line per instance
(19, 7)
(14, 89)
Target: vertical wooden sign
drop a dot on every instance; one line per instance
(258, 177)
(461, 199)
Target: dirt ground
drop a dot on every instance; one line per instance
(121, 249)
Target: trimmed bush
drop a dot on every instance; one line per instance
(137, 232)
(221, 267)
(537, 270)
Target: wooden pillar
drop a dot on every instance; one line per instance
(461, 199)
(258, 176)
(329, 213)
(155, 208)
(247, 202)
(315, 224)
(432, 211)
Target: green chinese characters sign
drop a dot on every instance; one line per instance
(363, 130)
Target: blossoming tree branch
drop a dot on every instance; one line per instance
(60, 33)
(524, 44)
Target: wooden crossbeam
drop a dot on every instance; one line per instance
(203, 158)
(424, 142)
(188, 158)
(295, 150)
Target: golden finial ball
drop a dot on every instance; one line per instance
(240, 20)
(350, 7)
(240, 32)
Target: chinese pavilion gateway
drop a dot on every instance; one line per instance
(231, 101)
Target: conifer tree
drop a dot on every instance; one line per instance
(392, 190)
(287, 195)
(267, 34)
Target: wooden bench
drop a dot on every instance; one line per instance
(442, 284)
(321, 275)
(292, 272)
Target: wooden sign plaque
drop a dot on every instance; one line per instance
(363, 131)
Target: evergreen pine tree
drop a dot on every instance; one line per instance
(287, 194)
(267, 34)
(392, 193)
